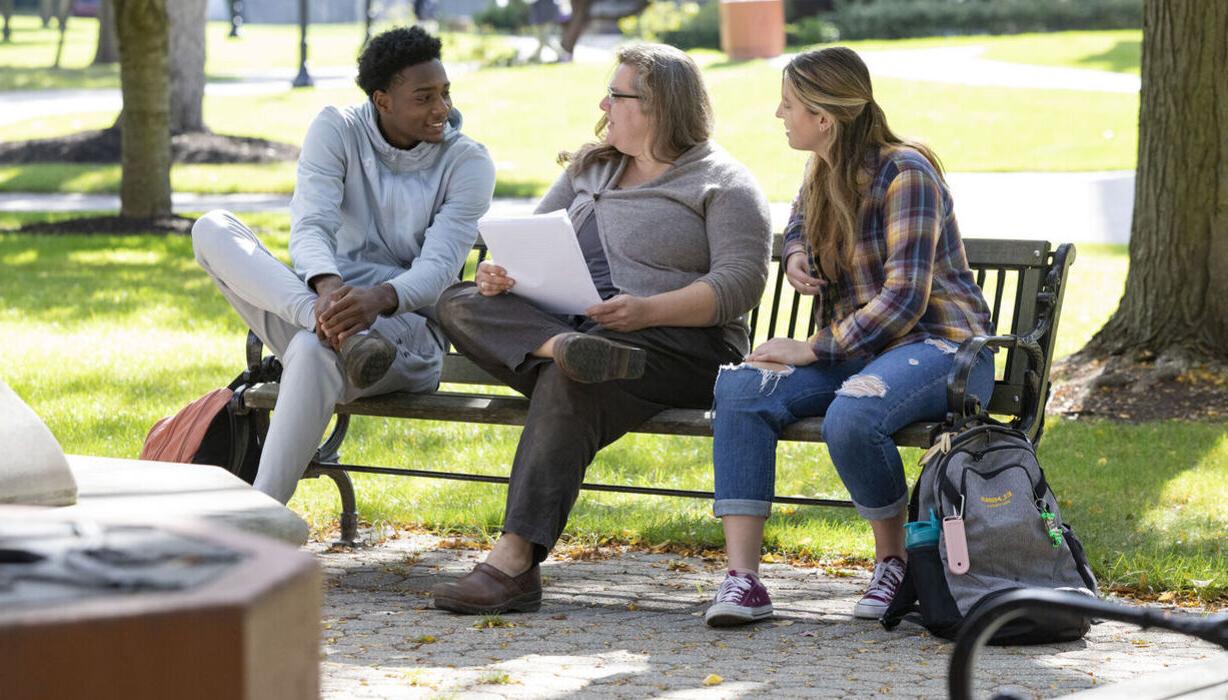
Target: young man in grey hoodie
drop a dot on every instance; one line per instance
(384, 213)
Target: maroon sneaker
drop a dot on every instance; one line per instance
(888, 574)
(742, 598)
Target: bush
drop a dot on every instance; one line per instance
(658, 19)
(701, 30)
(894, 19)
(509, 18)
(811, 30)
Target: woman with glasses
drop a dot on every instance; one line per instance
(873, 239)
(676, 237)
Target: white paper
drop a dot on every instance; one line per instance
(541, 253)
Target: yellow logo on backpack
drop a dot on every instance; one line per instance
(998, 501)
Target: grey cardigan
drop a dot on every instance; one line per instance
(704, 219)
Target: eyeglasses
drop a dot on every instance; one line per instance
(614, 95)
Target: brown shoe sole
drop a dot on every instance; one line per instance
(589, 359)
(527, 602)
(367, 359)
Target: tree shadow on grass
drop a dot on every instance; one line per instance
(46, 78)
(76, 280)
(1124, 55)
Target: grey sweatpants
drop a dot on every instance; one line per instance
(280, 308)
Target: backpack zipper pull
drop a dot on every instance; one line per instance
(1049, 519)
(957, 541)
(942, 444)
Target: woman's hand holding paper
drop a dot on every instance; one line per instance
(492, 280)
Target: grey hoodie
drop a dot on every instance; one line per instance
(372, 213)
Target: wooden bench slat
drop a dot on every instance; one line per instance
(511, 410)
(989, 252)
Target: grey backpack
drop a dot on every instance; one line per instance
(983, 522)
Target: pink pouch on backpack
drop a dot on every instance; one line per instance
(177, 438)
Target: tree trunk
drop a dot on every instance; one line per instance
(142, 28)
(108, 44)
(1176, 299)
(187, 64)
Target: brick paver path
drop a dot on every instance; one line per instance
(630, 626)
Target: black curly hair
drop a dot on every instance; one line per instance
(389, 53)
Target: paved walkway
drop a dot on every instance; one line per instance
(630, 627)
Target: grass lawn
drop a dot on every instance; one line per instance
(1116, 50)
(1119, 51)
(106, 334)
(972, 128)
(25, 63)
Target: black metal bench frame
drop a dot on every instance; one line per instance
(1026, 281)
(981, 625)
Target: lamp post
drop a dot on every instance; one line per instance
(303, 79)
(236, 17)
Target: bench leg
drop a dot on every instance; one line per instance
(321, 465)
(349, 506)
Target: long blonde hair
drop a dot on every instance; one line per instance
(672, 93)
(836, 80)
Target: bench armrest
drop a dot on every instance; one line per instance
(255, 351)
(260, 368)
(961, 405)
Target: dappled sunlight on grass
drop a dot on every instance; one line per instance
(42, 127)
(1130, 490)
(1193, 492)
(121, 257)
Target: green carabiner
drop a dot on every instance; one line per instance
(1055, 534)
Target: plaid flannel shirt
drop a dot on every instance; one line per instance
(910, 279)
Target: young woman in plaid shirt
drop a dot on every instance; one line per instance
(873, 238)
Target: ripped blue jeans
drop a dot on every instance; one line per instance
(864, 402)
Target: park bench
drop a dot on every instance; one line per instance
(1023, 282)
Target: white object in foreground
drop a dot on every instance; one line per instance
(541, 253)
(33, 469)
